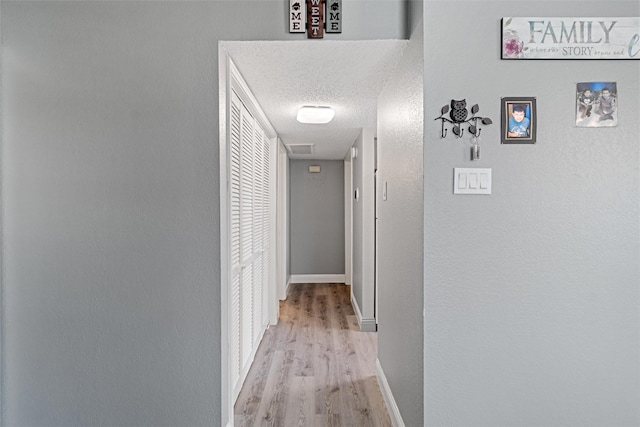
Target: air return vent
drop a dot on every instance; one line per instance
(300, 148)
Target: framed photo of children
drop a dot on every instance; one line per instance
(596, 104)
(519, 120)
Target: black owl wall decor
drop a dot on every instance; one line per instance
(458, 116)
(459, 111)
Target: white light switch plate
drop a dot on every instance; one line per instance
(472, 180)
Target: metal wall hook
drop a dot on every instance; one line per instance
(459, 115)
(443, 132)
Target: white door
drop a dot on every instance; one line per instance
(258, 235)
(246, 231)
(235, 180)
(249, 182)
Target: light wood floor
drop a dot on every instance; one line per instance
(315, 368)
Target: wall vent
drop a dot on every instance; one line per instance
(300, 148)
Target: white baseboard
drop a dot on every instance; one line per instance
(316, 278)
(366, 325)
(286, 292)
(392, 407)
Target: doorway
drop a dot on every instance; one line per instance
(282, 82)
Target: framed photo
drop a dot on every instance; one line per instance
(596, 104)
(519, 120)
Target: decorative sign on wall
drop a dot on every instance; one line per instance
(571, 38)
(334, 11)
(315, 17)
(296, 12)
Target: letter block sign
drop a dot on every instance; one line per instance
(297, 12)
(334, 11)
(315, 17)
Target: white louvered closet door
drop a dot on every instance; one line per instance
(259, 225)
(249, 191)
(266, 210)
(235, 236)
(247, 233)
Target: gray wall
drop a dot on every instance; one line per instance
(288, 190)
(283, 223)
(348, 218)
(363, 286)
(110, 263)
(400, 235)
(531, 293)
(317, 217)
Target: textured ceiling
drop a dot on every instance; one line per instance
(345, 75)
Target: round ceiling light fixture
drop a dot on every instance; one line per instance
(315, 115)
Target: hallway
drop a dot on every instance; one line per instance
(314, 367)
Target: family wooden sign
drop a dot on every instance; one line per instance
(315, 17)
(570, 38)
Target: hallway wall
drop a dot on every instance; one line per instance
(363, 275)
(400, 230)
(283, 229)
(110, 179)
(317, 217)
(531, 293)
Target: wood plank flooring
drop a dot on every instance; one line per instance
(315, 368)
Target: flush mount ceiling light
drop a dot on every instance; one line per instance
(316, 115)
